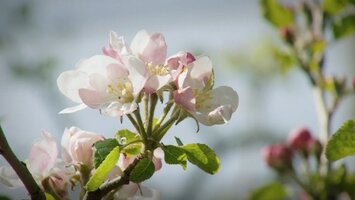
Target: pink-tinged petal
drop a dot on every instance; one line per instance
(108, 51)
(65, 142)
(73, 109)
(69, 83)
(151, 48)
(124, 161)
(77, 146)
(158, 156)
(9, 178)
(180, 59)
(178, 62)
(186, 98)
(43, 155)
(92, 98)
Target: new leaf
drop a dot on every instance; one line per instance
(102, 171)
(175, 155)
(276, 13)
(142, 171)
(342, 143)
(203, 157)
(102, 149)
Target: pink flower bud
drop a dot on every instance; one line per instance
(354, 82)
(299, 138)
(288, 34)
(77, 146)
(278, 156)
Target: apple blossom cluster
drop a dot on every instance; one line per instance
(115, 81)
(128, 81)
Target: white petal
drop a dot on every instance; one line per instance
(225, 95)
(220, 108)
(96, 64)
(73, 109)
(117, 43)
(9, 178)
(200, 72)
(140, 41)
(148, 194)
(137, 73)
(69, 83)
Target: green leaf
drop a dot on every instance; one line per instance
(203, 157)
(276, 13)
(102, 171)
(142, 171)
(102, 149)
(285, 59)
(175, 155)
(178, 141)
(342, 143)
(48, 197)
(332, 7)
(274, 191)
(344, 27)
(125, 136)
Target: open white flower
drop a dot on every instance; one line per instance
(195, 94)
(104, 83)
(151, 49)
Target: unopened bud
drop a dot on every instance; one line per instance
(278, 157)
(354, 82)
(288, 34)
(298, 140)
(315, 148)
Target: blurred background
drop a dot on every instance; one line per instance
(40, 39)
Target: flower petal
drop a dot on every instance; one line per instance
(9, 178)
(137, 73)
(73, 109)
(186, 98)
(151, 48)
(220, 108)
(43, 155)
(69, 83)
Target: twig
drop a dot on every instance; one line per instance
(113, 184)
(21, 170)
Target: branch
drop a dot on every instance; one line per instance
(21, 170)
(113, 184)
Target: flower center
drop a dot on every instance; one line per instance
(202, 99)
(123, 90)
(160, 70)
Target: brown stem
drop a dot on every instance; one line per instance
(21, 170)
